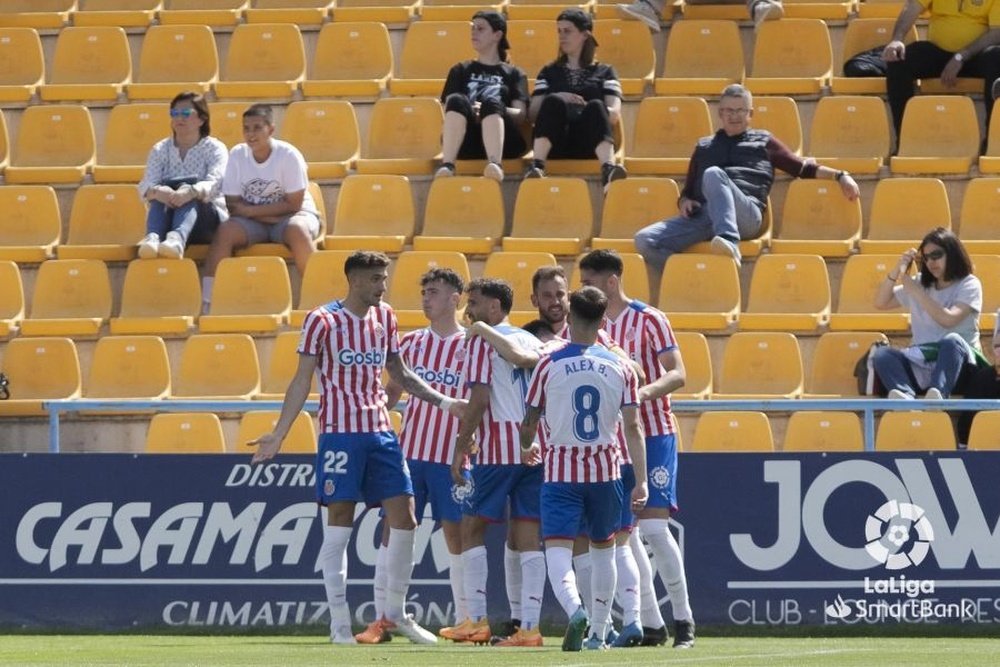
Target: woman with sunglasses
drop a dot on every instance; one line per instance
(944, 300)
(182, 182)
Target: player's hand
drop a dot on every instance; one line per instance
(457, 409)
(644, 394)
(532, 456)
(267, 446)
(457, 468)
(640, 494)
(893, 51)
(475, 329)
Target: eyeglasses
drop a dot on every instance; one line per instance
(182, 113)
(734, 112)
(934, 255)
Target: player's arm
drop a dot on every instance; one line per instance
(672, 380)
(295, 397)
(479, 400)
(636, 446)
(636, 366)
(531, 453)
(505, 347)
(393, 392)
(412, 383)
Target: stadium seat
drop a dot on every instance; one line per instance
(700, 292)
(55, 144)
(534, 44)
(175, 59)
(22, 65)
(323, 282)
(732, 432)
(543, 9)
(634, 279)
(404, 286)
(4, 143)
(861, 277)
(788, 293)
(89, 64)
(301, 437)
(72, 297)
(697, 366)
(915, 431)
(106, 223)
(818, 219)
(384, 11)
(903, 211)
(850, 132)
(350, 60)
(551, 215)
(327, 134)
(41, 14)
(702, 58)
(631, 204)
(302, 12)
(817, 431)
(39, 369)
(404, 137)
(277, 249)
(940, 135)
(124, 367)
(456, 10)
(265, 60)
(159, 296)
(882, 9)
(430, 48)
(185, 433)
(374, 212)
(30, 224)
(131, 132)
(464, 214)
(828, 10)
(517, 268)
(203, 12)
(219, 366)
(251, 294)
(584, 167)
(791, 57)
(748, 247)
(985, 433)
(989, 162)
(863, 34)
(227, 122)
(666, 130)
(779, 116)
(11, 298)
(760, 364)
(282, 365)
(628, 45)
(833, 360)
(979, 220)
(987, 268)
(124, 13)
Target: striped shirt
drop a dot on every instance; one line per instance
(352, 352)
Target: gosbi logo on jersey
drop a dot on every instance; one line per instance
(349, 357)
(446, 377)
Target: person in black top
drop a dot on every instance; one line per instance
(576, 102)
(485, 101)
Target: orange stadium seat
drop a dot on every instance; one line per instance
(301, 437)
(985, 433)
(4, 143)
(130, 134)
(463, 213)
(302, 12)
(404, 136)
(430, 48)
(160, 296)
(227, 122)
(30, 224)
(374, 212)
(634, 278)
(218, 366)
(779, 116)
(818, 219)
(175, 59)
(748, 247)
(700, 292)
(551, 215)
(940, 135)
(185, 433)
(55, 144)
(628, 45)
(124, 367)
(543, 9)
(39, 369)
(203, 12)
(22, 65)
(281, 367)
(384, 11)
(861, 277)
(915, 431)
(279, 249)
(105, 223)
(760, 364)
(697, 366)
(11, 298)
(987, 267)
(41, 14)
(517, 268)
(404, 286)
(702, 58)
(666, 130)
(534, 44)
(903, 211)
(833, 361)
(327, 134)
(350, 60)
(457, 10)
(731, 431)
(72, 297)
(850, 132)
(817, 431)
(265, 60)
(251, 294)
(124, 13)
(788, 293)
(324, 281)
(89, 64)
(631, 204)
(791, 57)
(863, 34)
(979, 220)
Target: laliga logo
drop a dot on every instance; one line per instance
(897, 517)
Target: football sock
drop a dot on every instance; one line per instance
(379, 583)
(475, 570)
(628, 584)
(512, 577)
(333, 561)
(456, 576)
(399, 567)
(582, 567)
(532, 588)
(559, 561)
(667, 553)
(603, 579)
(650, 605)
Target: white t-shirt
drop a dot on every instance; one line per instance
(267, 182)
(924, 329)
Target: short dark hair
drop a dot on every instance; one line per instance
(494, 288)
(200, 105)
(603, 261)
(445, 275)
(538, 327)
(957, 263)
(365, 259)
(260, 111)
(546, 273)
(587, 304)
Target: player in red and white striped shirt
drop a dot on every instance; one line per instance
(349, 342)
(584, 391)
(645, 335)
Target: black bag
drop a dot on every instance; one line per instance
(864, 371)
(866, 63)
(4, 387)
(177, 181)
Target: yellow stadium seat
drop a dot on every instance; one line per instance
(41, 14)
(105, 223)
(816, 431)
(396, 419)
(131, 132)
(350, 60)
(828, 10)
(700, 292)
(323, 282)
(124, 13)
(72, 297)
(39, 369)
(302, 12)
(457, 10)
(760, 364)
(175, 59)
(11, 298)
(634, 278)
(404, 137)
(276, 249)
(732, 432)
(55, 144)
(987, 268)
(301, 438)
(748, 247)
(218, 366)
(4, 143)
(818, 220)
(881, 9)
(30, 224)
(989, 163)
(903, 211)
(327, 134)
(464, 213)
(666, 130)
(534, 44)
(863, 34)
(129, 367)
(373, 212)
(628, 46)
(631, 204)
(404, 287)
(265, 60)
(22, 65)
(940, 135)
(160, 296)
(430, 48)
(281, 368)
(227, 122)
(702, 58)
(850, 132)
(697, 366)
(89, 64)
(780, 117)
(915, 431)
(185, 433)
(384, 11)
(791, 57)
(203, 12)
(543, 9)
(517, 268)
(833, 360)
(551, 215)
(985, 433)
(251, 294)
(788, 293)
(861, 277)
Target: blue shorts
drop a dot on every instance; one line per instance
(493, 484)
(432, 484)
(359, 467)
(627, 521)
(564, 504)
(661, 470)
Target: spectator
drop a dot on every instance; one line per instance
(650, 12)
(485, 102)
(984, 382)
(944, 300)
(181, 182)
(576, 102)
(960, 42)
(267, 193)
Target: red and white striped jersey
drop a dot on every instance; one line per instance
(352, 352)
(498, 436)
(428, 432)
(644, 333)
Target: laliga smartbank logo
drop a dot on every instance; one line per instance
(888, 529)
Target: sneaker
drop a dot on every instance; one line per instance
(149, 247)
(898, 395)
(641, 10)
(995, 89)
(611, 172)
(934, 394)
(575, 631)
(494, 171)
(409, 628)
(766, 10)
(721, 246)
(654, 636)
(477, 632)
(506, 629)
(534, 171)
(531, 638)
(595, 643)
(631, 635)
(172, 246)
(375, 633)
(445, 170)
(683, 634)
(342, 635)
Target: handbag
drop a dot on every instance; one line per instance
(864, 371)
(177, 181)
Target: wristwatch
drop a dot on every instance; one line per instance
(959, 57)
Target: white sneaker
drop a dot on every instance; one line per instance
(721, 246)
(641, 10)
(898, 395)
(995, 89)
(172, 246)
(409, 628)
(934, 394)
(444, 171)
(342, 635)
(766, 10)
(494, 171)
(149, 247)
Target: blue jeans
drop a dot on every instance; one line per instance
(895, 372)
(727, 212)
(162, 219)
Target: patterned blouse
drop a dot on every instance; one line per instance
(206, 160)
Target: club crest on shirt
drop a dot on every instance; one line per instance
(461, 494)
(379, 330)
(460, 354)
(659, 477)
(329, 487)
